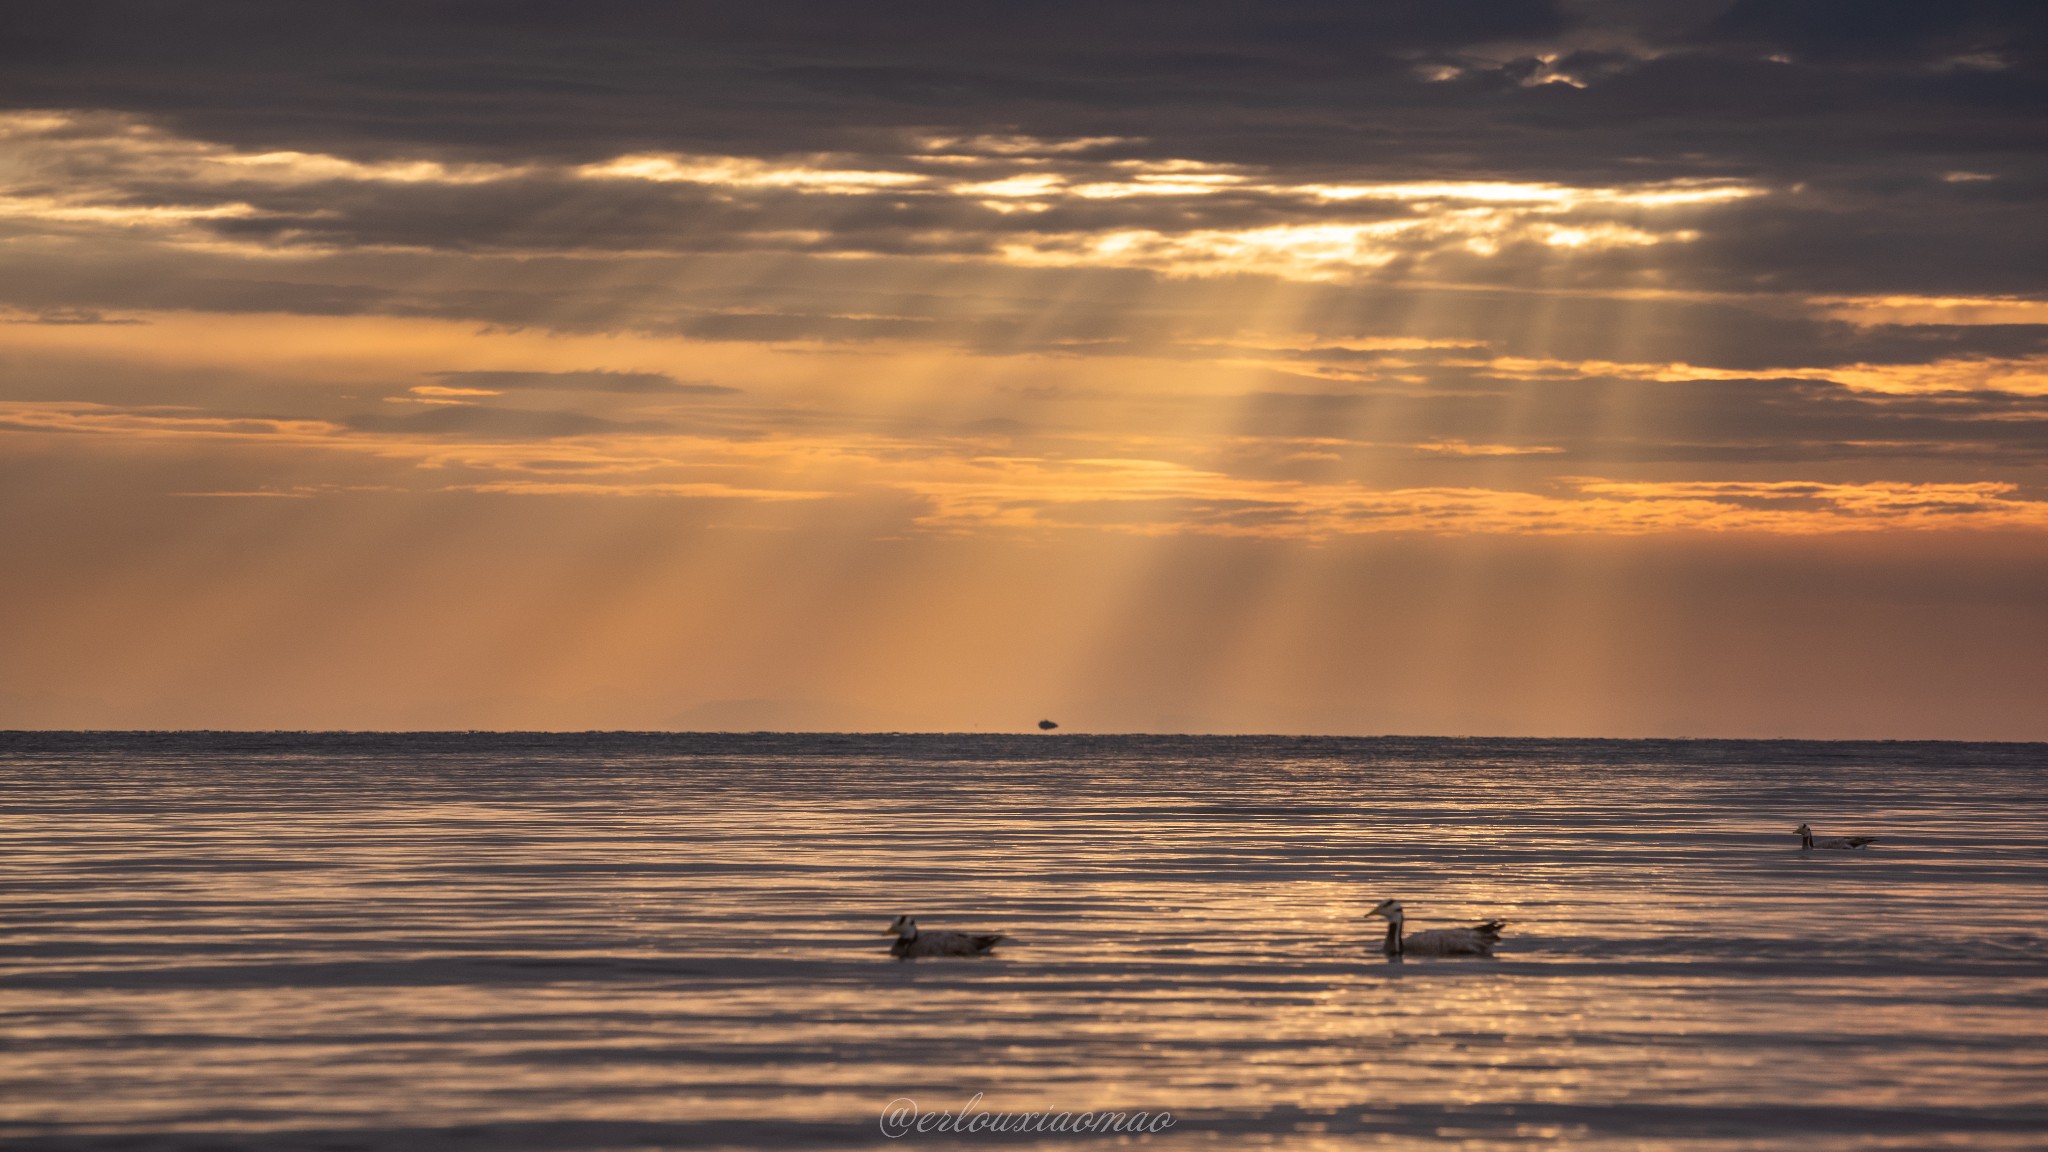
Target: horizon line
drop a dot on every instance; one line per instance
(935, 733)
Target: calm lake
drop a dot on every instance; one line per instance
(627, 941)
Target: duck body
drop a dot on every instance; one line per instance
(1474, 940)
(1807, 842)
(912, 942)
(1477, 940)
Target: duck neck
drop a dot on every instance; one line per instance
(1806, 841)
(1394, 935)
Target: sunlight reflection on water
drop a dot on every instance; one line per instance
(651, 941)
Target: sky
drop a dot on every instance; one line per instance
(1562, 368)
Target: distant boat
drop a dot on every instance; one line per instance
(1046, 725)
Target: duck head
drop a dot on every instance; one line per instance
(903, 927)
(1391, 909)
(1802, 830)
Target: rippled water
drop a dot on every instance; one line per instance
(648, 941)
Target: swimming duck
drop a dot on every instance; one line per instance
(1806, 840)
(910, 942)
(1478, 940)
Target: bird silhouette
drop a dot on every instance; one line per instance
(912, 943)
(1808, 843)
(1478, 940)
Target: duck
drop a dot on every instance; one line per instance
(910, 942)
(1807, 842)
(1477, 940)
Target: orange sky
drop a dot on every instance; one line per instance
(676, 438)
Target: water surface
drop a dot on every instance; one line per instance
(234, 941)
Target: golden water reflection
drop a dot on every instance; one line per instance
(596, 942)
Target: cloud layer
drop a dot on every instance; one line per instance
(1296, 277)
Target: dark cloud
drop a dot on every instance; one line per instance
(67, 316)
(1628, 421)
(1848, 112)
(498, 423)
(1306, 83)
(640, 74)
(1850, 130)
(1070, 312)
(1865, 31)
(1206, 513)
(1913, 236)
(83, 281)
(591, 381)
